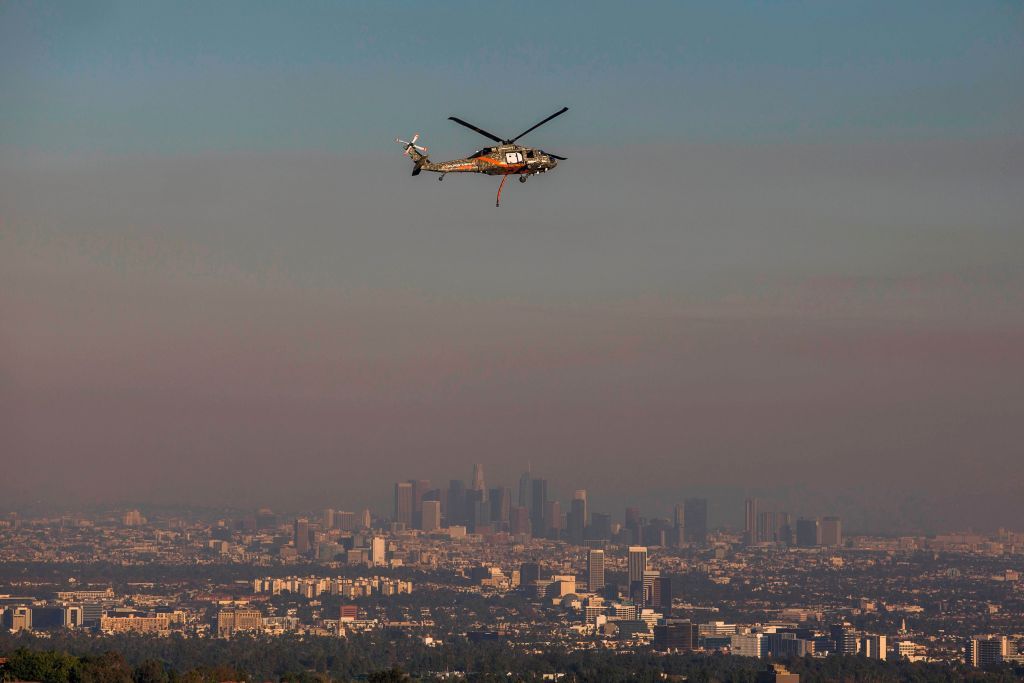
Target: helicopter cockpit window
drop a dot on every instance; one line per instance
(513, 157)
(529, 155)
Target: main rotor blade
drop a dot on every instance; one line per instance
(557, 113)
(554, 155)
(478, 130)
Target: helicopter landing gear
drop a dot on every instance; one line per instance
(440, 177)
(522, 179)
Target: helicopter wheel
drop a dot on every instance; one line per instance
(522, 179)
(440, 177)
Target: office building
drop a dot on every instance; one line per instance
(74, 616)
(844, 639)
(750, 522)
(431, 515)
(529, 573)
(378, 551)
(746, 644)
(133, 518)
(634, 525)
(766, 527)
(784, 528)
(346, 521)
(525, 489)
(873, 647)
(581, 495)
(831, 532)
(403, 504)
(300, 536)
(575, 521)
(696, 515)
(18, 618)
(600, 526)
(327, 519)
(984, 650)
(553, 519)
(419, 490)
(519, 523)
(478, 512)
(478, 480)
(456, 509)
(595, 571)
(501, 507)
(661, 595)
(785, 644)
(678, 533)
(675, 636)
(808, 534)
(538, 505)
(645, 595)
(637, 564)
(232, 621)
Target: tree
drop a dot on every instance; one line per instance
(46, 667)
(151, 671)
(389, 676)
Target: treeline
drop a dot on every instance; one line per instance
(83, 658)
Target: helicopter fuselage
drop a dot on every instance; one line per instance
(498, 160)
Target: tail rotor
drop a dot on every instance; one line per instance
(411, 145)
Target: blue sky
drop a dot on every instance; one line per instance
(169, 78)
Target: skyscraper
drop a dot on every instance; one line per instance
(784, 532)
(634, 524)
(553, 519)
(646, 594)
(431, 515)
(520, 520)
(661, 595)
(637, 563)
(844, 639)
(696, 511)
(403, 503)
(574, 520)
(595, 570)
(525, 484)
(831, 531)
(677, 534)
(300, 535)
(419, 489)
(538, 502)
(378, 549)
(982, 650)
(501, 507)
(456, 502)
(807, 533)
(874, 647)
(600, 526)
(581, 495)
(478, 480)
(766, 527)
(750, 523)
(478, 511)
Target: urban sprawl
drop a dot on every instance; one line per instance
(516, 566)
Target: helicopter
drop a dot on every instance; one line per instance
(505, 159)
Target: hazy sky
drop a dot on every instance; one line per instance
(785, 256)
